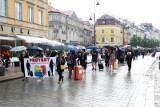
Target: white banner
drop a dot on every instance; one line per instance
(40, 67)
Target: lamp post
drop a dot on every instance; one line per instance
(94, 20)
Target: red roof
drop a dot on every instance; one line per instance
(52, 9)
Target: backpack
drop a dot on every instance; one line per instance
(70, 61)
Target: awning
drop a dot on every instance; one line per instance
(8, 38)
(29, 39)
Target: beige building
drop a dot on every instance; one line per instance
(19, 18)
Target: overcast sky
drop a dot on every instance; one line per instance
(138, 11)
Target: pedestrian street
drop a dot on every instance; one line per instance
(96, 89)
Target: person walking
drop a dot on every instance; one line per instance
(111, 61)
(21, 59)
(143, 53)
(129, 57)
(83, 60)
(107, 55)
(70, 63)
(94, 59)
(60, 66)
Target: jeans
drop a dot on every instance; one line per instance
(70, 68)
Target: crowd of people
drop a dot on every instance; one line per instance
(73, 58)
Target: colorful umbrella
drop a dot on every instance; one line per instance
(60, 48)
(72, 48)
(35, 48)
(18, 48)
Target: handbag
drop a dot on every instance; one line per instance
(62, 67)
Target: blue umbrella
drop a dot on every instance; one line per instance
(35, 48)
(72, 48)
(92, 47)
(18, 48)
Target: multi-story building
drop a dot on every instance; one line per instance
(150, 31)
(65, 26)
(88, 33)
(22, 17)
(109, 31)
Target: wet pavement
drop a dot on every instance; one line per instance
(96, 89)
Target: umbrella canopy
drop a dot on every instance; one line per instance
(18, 48)
(81, 47)
(92, 47)
(48, 44)
(6, 46)
(109, 47)
(60, 48)
(72, 48)
(35, 48)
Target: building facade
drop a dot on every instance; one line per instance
(110, 32)
(22, 17)
(88, 33)
(65, 26)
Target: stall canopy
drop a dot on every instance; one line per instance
(29, 39)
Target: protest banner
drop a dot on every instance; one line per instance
(40, 67)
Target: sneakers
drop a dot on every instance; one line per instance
(92, 68)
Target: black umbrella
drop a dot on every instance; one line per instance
(109, 47)
(6, 46)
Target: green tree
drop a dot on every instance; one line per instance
(146, 43)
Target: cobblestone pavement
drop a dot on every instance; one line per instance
(157, 84)
(96, 89)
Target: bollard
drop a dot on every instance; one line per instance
(159, 62)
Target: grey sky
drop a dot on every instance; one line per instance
(138, 11)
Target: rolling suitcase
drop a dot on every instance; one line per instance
(77, 72)
(100, 66)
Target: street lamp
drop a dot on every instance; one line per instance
(94, 20)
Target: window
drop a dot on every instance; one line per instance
(112, 31)
(40, 17)
(103, 22)
(103, 31)
(18, 10)
(112, 39)
(3, 7)
(103, 39)
(30, 14)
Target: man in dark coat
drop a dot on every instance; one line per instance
(129, 57)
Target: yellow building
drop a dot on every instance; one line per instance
(109, 32)
(22, 18)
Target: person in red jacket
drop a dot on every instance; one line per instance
(6, 56)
